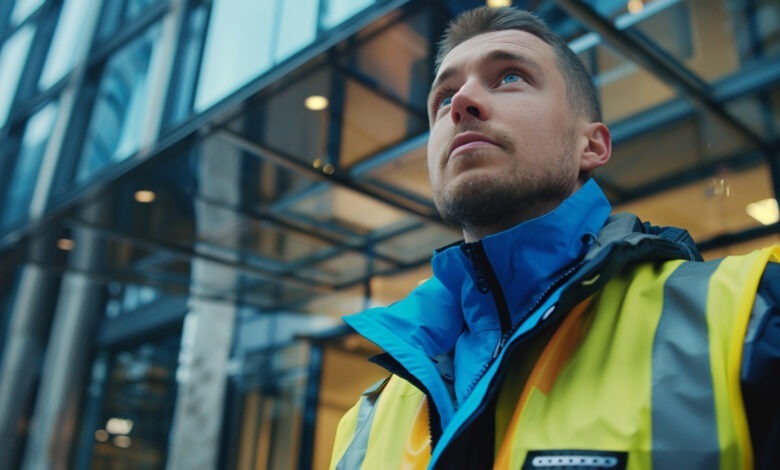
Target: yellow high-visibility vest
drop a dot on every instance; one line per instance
(644, 374)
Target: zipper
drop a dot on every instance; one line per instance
(502, 342)
(505, 337)
(487, 282)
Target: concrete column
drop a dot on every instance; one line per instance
(25, 346)
(208, 327)
(80, 305)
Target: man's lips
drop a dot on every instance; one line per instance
(468, 140)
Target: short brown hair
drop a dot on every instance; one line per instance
(581, 92)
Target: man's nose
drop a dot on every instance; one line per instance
(469, 103)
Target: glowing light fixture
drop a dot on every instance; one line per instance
(65, 244)
(145, 196)
(498, 3)
(101, 435)
(119, 426)
(122, 441)
(635, 6)
(764, 211)
(316, 102)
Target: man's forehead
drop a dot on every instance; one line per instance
(480, 46)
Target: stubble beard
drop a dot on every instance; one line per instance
(481, 202)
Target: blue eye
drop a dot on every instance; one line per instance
(511, 78)
(445, 101)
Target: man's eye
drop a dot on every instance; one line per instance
(445, 101)
(511, 78)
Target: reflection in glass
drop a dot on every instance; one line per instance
(712, 206)
(9, 283)
(347, 209)
(23, 9)
(625, 87)
(272, 407)
(185, 75)
(398, 59)
(69, 39)
(408, 172)
(297, 27)
(12, 59)
(238, 47)
(372, 123)
(337, 11)
(756, 26)
(418, 244)
(118, 12)
(130, 429)
(120, 106)
(307, 139)
(28, 165)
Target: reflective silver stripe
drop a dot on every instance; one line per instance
(356, 451)
(684, 423)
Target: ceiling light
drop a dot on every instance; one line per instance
(316, 102)
(498, 3)
(145, 196)
(65, 244)
(122, 441)
(634, 6)
(119, 426)
(764, 211)
(101, 435)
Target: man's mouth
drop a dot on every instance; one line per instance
(469, 140)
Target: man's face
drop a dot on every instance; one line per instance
(505, 144)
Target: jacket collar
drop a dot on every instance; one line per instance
(447, 313)
(526, 258)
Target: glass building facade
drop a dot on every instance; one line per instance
(193, 192)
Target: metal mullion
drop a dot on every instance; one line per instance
(291, 226)
(376, 88)
(189, 6)
(660, 64)
(47, 17)
(191, 254)
(6, 30)
(692, 175)
(337, 178)
(100, 52)
(21, 112)
(728, 239)
(130, 277)
(344, 285)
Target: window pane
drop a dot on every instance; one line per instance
(238, 47)
(118, 12)
(711, 207)
(338, 11)
(28, 164)
(186, 74)
(120, 106)
(12, 60)
(298, 27)
(398, 60)
(69, 39)
(136, 410)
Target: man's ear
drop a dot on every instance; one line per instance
(598, 147)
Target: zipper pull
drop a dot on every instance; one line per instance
(499, 346)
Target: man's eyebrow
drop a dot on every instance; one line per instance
(494, 56)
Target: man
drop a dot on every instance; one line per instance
(556, 335)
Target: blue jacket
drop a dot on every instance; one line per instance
(449, 336)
